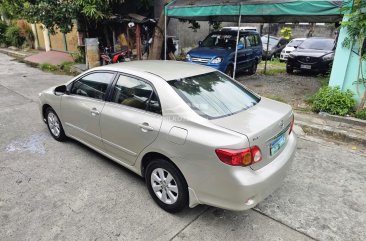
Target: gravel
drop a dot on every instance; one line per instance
(293, 89)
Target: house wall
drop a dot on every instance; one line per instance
(40, 36)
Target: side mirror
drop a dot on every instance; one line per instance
(240, 46)
(199, 43)
(60, 90)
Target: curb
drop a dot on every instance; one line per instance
(326, 116)
(327, 131)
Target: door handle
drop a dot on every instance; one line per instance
(145, 127)
(94, 111)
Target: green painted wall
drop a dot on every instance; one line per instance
(345, 66)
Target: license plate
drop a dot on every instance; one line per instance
(277, 144)
(305, 66)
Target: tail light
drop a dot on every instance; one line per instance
(292, 124)
(244, 157)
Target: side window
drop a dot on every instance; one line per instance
(241, 40)
(92, 85)
(250, 40)
(135, 93)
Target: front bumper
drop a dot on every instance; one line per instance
(221, 67)
(242, 188)
(319, 66)
(283, 56)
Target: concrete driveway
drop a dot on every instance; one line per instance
(65, 191)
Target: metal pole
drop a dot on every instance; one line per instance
(236, 47)
(165, 39)
(265, 64)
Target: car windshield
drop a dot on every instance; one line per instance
(272, 41)
(220, 40)
(214, 95)
(318, 44)
(294, 43)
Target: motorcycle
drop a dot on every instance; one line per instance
(107, 57)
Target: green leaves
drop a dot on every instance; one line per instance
(333, 101)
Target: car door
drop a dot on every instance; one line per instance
(81, 107)
(131, 120)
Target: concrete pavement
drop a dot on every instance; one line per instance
(65, 191)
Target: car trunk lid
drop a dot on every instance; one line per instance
(266, 125)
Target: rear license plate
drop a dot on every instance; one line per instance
(277, 144)
(305, 66)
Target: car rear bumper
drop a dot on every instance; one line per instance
(241, 188)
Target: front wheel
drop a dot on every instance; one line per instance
(289, 70)
(166, 185)
(54, 125)
(229, 71)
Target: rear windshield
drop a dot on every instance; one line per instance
(272, 41)
(219, 40)
(214, 95)
(318, 44)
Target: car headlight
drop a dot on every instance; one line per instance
(216, 60)
(291, 56)
(328, 57)
(188, 57)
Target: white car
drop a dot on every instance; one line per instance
(290, 47)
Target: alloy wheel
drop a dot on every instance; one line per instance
(53, 124)
(164, 186)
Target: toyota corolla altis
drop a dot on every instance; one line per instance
(196, 135)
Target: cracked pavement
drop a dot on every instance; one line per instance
(66, 191)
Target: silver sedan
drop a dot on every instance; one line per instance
(195, 135)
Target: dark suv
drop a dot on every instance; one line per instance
(314, 54)
(218, 51)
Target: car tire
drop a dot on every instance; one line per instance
(166, 185)
(54, 125)
(253, 69)
(289, 70)
(229, 71)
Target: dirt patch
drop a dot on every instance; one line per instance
(293, 89)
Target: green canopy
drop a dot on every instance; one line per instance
(257, 11)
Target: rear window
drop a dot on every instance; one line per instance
(214, 95)
(318, 44)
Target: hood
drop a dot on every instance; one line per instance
(207, 52)
(311, 52)
(289, 49)
(261, 124)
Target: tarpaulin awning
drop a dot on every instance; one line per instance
(257, 11)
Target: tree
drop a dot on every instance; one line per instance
(356, 30)
(158, 35)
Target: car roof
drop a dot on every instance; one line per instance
(166, 69)
(234, 32)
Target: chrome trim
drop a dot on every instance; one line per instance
(84, 131)
(119, 147)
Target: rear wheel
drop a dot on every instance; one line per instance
(253, 69)
(166, 185)
(229, 71)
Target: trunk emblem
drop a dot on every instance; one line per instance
(281, 124)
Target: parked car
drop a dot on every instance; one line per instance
(218, 51)
(314, 54)
(275, 46)
(291, 46)
(195, 135)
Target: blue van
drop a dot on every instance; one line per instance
(218, 51)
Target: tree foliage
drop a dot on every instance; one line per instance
(356, 31)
